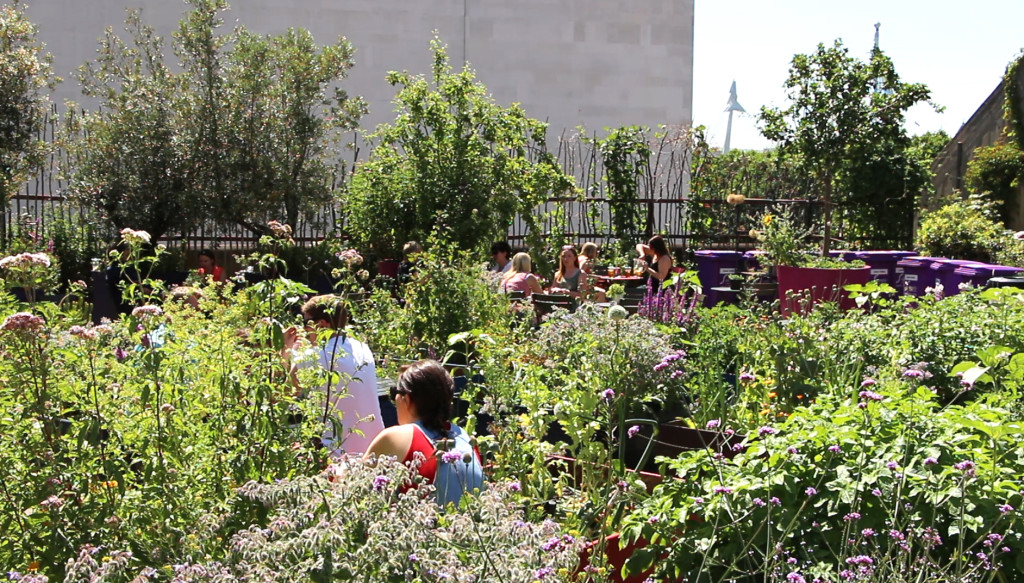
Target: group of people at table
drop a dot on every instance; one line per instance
(576, 274)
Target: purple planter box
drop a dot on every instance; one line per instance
(917, 274)
(714, 269)
(883, 265)
(979, 275)
(945, 274)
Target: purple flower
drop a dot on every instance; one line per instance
(413, 558)
(892, 465)
(810, 491)
(698, 500)
(860, 560)
(746, 377)
(791, 450)
(852, 516)
(653, 520)
(868, 382)
(913, 373)
(758, 502)
(965, 466)
(930, 461)
(543, 572)
(381, 482)
(767, 430)
(633, 431)
(552, 544)
(870, 396)
(876, 492)
(713, 424)
(1005, 508)
(795, 577)
(515, 487)
(896, 535)
(868, 532)
(835, 448)
(774, 501)
(661, 366)
(608, 394)
(450, 457)
(120, 354)
(721, 490)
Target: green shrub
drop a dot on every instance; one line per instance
(962, 230)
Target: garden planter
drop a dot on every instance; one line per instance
(810, 285)
(388, 267)
(616, 556)
(675, 438)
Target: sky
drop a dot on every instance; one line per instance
(958, 49)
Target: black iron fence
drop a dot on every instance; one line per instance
(662, 203)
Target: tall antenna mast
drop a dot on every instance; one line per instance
(732, 106)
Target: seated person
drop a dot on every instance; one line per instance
(208, 266)
(354, 395)
(501, 252)
(657, 261)
(407, 268)
(423, 400)
(567, 278)
(588, 257)
(519, 277)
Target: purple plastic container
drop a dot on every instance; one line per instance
(979, 275)
(882, 264)
(714, 269)
(945, 274)
(917, 274)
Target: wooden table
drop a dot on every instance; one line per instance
(627, 281)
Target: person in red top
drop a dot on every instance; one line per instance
(208, 265)
(423, 400)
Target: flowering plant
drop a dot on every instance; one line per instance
(358, 521)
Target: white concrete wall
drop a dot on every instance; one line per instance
(598, 63)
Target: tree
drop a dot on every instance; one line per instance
(25, 80)
(841, 109)
(453, 165)
(131, 161)
(243, 133)
(266, 117)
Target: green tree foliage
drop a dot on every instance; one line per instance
(842, 110)
(131, 158)
(25, 78)
(244, 133)
(754, 174)
(266, 117)
(454, 165)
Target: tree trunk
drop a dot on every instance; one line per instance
(826, 240)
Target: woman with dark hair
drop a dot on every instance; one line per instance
(423, 400)
(208, 265)
(657, 270)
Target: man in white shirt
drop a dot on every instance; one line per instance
(353, 395)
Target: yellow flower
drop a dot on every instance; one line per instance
(767, 220)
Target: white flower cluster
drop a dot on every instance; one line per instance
(135, 237)
(23, 261)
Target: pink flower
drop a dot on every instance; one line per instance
(23, 322)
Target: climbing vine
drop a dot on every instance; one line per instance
(1013, 107)
(627, 162)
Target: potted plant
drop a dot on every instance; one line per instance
(805, 278)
